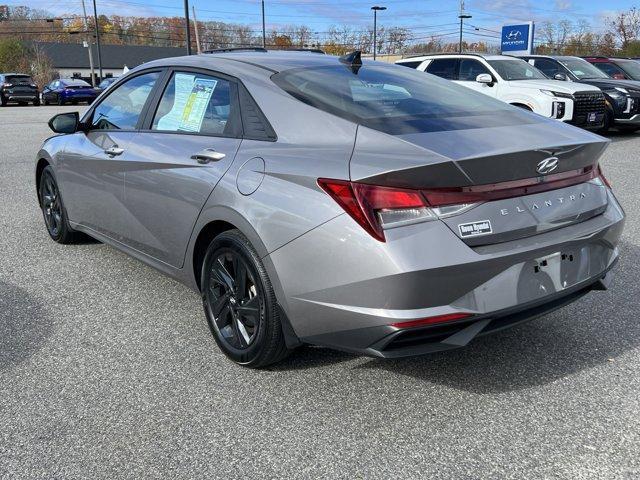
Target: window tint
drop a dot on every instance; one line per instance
(610, 69)
(548, 67)
(199, 104)
(19, 79)
(122, 108)
(444, 68)
(396, 100)
(411, 64)
(470, 69)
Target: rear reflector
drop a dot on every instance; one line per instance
(421, 322)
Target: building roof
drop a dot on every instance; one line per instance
(74, 55)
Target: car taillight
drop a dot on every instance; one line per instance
(604, 179)
(421, 322)
(377, 208)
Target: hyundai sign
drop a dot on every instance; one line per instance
(517, 39)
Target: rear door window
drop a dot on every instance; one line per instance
(444, 68)
(197, 103)
(122, 108)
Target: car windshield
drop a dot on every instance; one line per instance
(394, 99)
(514, 69)
(582, 69)
(632, 67)
(19, 79)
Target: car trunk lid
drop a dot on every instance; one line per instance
(525, 179)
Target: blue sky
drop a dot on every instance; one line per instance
(424, 17)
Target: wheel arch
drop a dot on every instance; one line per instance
(521, 105)
(41, 164)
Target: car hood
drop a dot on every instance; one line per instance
(608, 83)
(553, 85)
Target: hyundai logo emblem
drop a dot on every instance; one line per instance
(514, 34)
(547, 165)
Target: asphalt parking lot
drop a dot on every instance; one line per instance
(108, 370)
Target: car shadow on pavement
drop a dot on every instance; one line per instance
(594, 331)
(24, 325)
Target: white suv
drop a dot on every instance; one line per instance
(515, 81)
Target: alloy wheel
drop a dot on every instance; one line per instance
(51, 205)
(235, 301)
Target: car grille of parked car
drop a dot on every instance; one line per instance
(586, 104)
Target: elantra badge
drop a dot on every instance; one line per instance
(547, 165)
(473, 229)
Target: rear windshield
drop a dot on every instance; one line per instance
(396, 100)
(19, 79)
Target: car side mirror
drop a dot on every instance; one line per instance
(65, 122)
(560, 76)
(485, 78)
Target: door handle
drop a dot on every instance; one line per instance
(113, 151)
(208, 155)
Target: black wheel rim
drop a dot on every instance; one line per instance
(51, 205)
(234, 299)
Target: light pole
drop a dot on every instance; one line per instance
(462, 16)
(375, 9)
(264, 31)
(186, 26)
(95, 21)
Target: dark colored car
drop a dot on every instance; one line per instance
(618, 68)
(104, 84)
(18, 88)
(622, 96)
(69, 90)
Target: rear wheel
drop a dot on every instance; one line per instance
(239, 302)
(55, 217)
(3, 101)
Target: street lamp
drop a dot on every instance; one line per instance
(375, 9)
(462, 16)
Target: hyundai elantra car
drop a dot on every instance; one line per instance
(334, 201)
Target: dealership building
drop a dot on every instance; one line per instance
(72, 59)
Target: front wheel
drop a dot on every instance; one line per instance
(60, 100)
(240, 303)
(55, 216)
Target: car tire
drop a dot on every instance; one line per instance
(3, 101)
(240, 304)
(53, 211)
(36, 102)
(60, 100)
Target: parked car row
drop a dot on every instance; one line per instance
(595, 93)
(20, 89)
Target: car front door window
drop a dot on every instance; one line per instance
(122, 108)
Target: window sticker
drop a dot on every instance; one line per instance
(191, 98)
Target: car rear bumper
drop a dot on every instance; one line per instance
(21, 97)
(350, 289)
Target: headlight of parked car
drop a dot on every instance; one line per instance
(551, 93)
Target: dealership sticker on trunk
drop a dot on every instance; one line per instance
(473, 229)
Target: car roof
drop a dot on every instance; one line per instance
(269, 60)
(454, 55)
